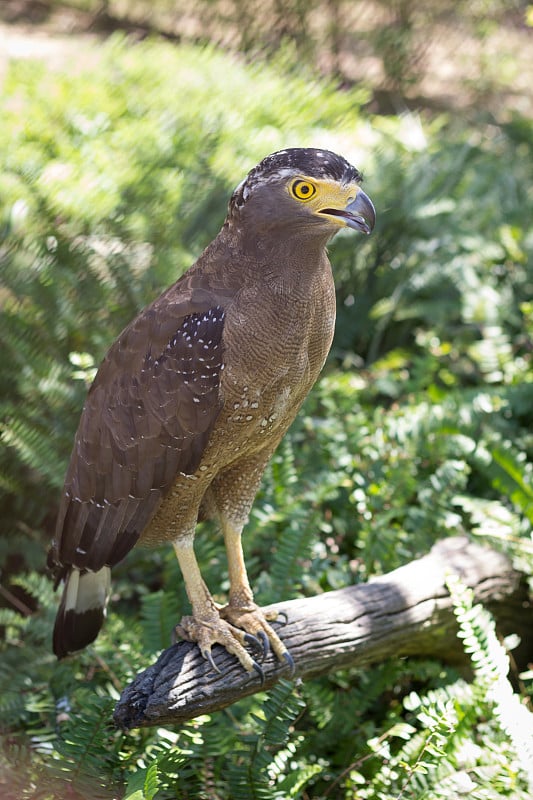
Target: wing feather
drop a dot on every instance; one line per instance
(148, 416)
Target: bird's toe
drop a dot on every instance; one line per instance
(214, 630)
(254, 621)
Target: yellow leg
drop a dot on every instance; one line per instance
(203, 605)
(205, 625)
(241, 610)
(240, 592)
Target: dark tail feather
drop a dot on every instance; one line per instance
(82, 610)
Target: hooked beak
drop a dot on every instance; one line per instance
(360, 214)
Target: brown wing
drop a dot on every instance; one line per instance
(148, 416)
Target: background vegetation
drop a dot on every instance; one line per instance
(114, 176)
(405, 49)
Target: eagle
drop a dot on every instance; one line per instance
(194, 396)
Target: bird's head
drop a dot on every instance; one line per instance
(302, 190)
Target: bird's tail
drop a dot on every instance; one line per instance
(82, 610)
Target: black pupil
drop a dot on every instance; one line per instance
(304, 189)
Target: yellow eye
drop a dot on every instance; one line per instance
(303, 190)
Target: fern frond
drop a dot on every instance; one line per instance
(159, 617)
(511, 475)
(291, 515)
(295, 782)
(87, 743)
(250, 775)
(491, 666)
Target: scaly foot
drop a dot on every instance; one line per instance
(213, 630)
(233, 628)
(251, 618)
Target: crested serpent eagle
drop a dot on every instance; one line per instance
(196, 393)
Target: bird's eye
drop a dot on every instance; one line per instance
(303, 190)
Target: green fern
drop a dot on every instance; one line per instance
(87, 744)
(159, 617)
(250, 774)
(510, 475)
(200, 762)
(282, 527)
(491, 666)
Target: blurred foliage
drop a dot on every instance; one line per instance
(391, 39)
(113, 179)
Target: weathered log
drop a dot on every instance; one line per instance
(405, 613)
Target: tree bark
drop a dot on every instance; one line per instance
(405, 613)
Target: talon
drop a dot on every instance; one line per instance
(260, 672)
(284, 616)
(209, 657)
(290, 662)
(254, 642)
(265, 643)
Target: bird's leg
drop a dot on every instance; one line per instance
(241, 610)
(205, 625)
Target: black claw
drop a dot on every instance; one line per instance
(290, 662)
(260, 672)
(254, 642)
(284, 616)
(264, 642)
(209, 657)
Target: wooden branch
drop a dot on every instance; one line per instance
(405, 613)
